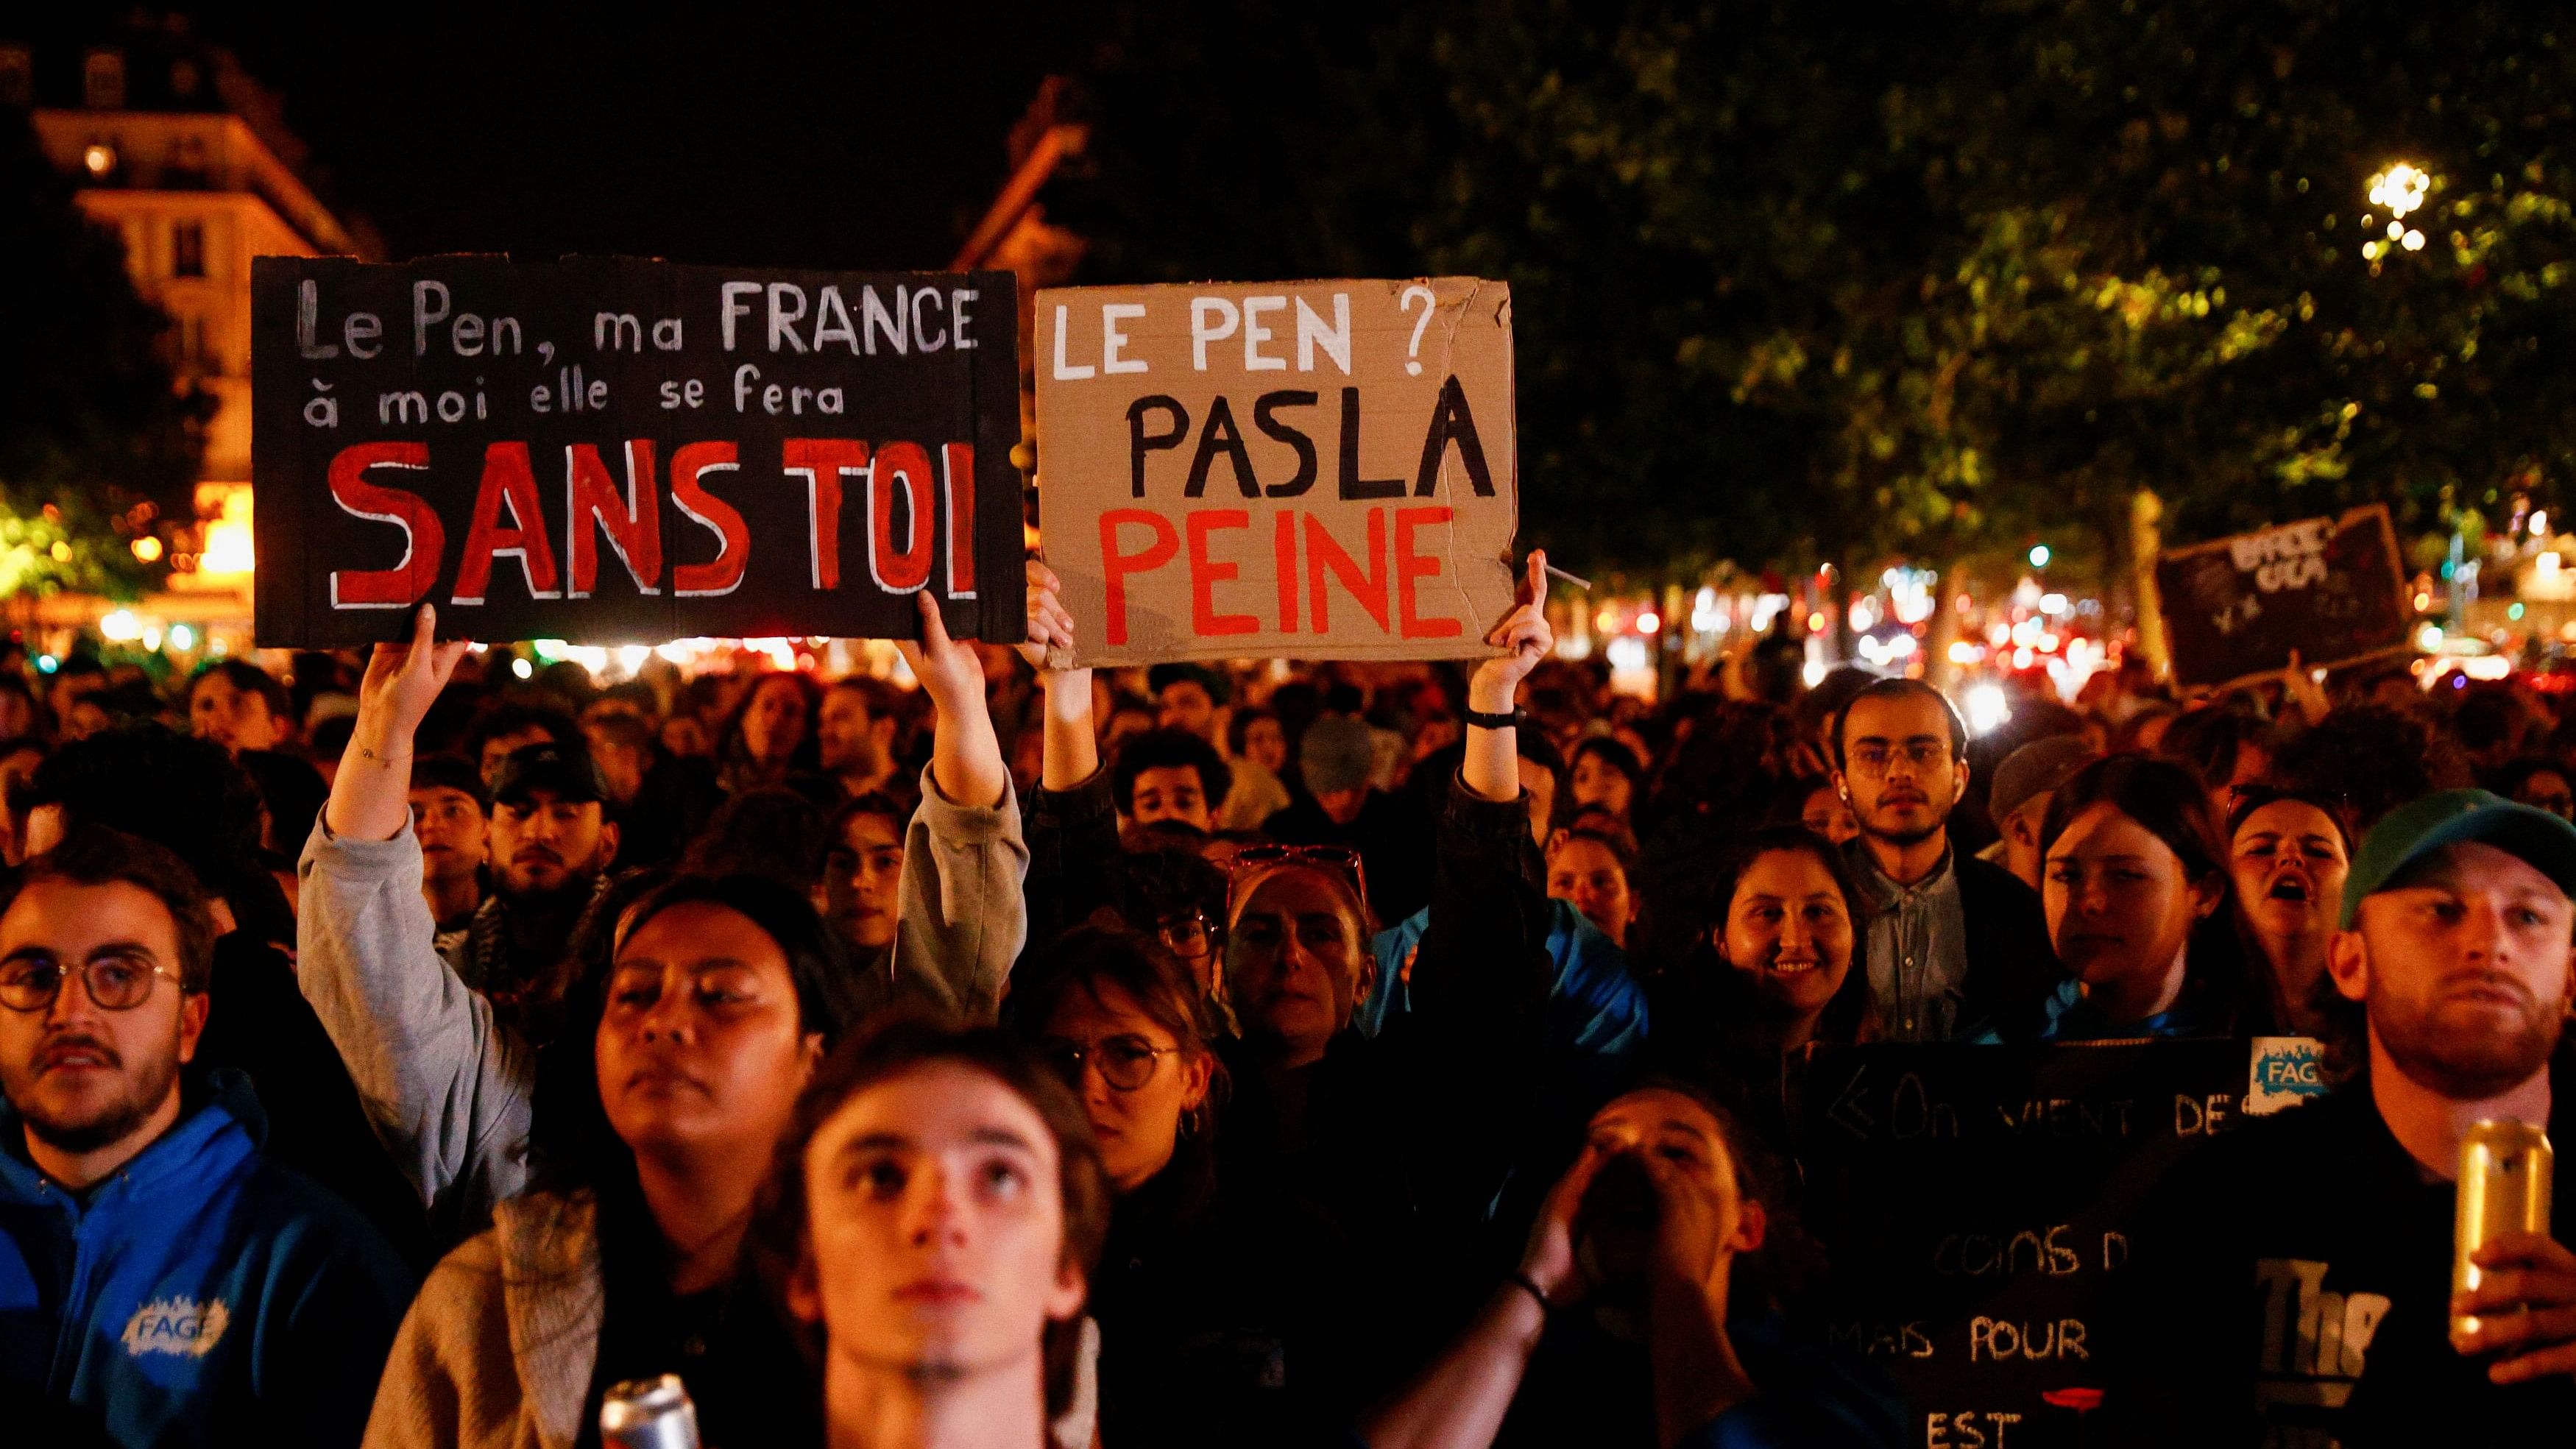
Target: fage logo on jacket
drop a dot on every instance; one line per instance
(176, 1326)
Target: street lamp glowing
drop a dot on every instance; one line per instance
(99, 158)
(2039, 555)
(2400, 188)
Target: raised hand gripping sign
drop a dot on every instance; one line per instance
(613, 450)
(1323, 470)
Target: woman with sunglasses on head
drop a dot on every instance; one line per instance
(1395, 1147)
(1189, 1295)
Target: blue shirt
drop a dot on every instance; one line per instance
(1595, 1007)
(200, 1295)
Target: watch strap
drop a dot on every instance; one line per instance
(1484, 719)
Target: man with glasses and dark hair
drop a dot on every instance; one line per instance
(1956, 945)
(160, 1282)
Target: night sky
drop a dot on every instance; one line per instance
(856, 136)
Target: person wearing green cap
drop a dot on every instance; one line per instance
(2445, 1000)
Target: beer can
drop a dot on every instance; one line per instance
(648, 1414)
(2505, 1173)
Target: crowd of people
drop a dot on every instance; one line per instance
(400, 1051)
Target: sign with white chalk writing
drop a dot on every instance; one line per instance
(1324, 470)
(1977, 1205)
(611, 450)
(2328, 589)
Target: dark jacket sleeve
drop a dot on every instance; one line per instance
(1073, 846)
(1483, 973)
(2011, 966)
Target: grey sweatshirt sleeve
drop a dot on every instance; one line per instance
(960, 919)
(445, 1087)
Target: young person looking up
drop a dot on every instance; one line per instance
(937, 1214)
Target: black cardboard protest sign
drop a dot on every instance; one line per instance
(1977, 1206)
(613, 450)
(2329, 588)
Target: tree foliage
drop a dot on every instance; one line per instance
(1800, 282)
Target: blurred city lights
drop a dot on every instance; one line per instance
(120, 626)
(147, 548)
(98, 158)
(2400, 188)
(1987, 708)
(1648, 622)
(2039, 555)
(182, 638)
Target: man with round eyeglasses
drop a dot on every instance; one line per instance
(160, 1282)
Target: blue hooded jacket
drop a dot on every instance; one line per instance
(200, 1295)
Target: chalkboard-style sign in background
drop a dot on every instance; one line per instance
(2330, 588)
(610, 450)
(1978, 1206)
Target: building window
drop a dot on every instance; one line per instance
(17, 76)
(103, 80)
(187, 249)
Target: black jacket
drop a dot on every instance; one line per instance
(2299, 1280)
(2011, 966)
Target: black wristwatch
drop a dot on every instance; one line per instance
(1507, 720)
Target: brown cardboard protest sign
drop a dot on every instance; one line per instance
(611, 450)
(2330, 590)
(1321, 470)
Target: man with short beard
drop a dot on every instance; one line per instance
(551, 843)
(2446, 992)
(1956, 947)
(161, 1282)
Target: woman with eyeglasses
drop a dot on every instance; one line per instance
(1188, 1294)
